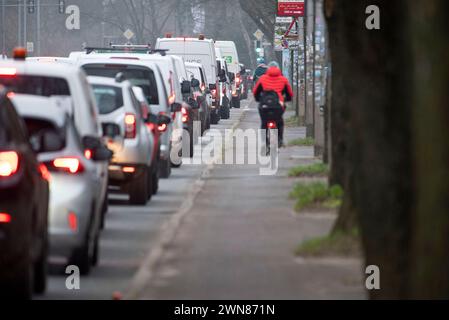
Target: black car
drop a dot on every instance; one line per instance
(24, 195)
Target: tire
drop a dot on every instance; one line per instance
(164, 169)
(83, 257)
(214, 118)
(96, 254)
(236, 103)
(104, 211)
(155, 177)
(40, 269)
(138, 189)
(18, 282)
(226, 111)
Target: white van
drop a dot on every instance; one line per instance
(200, 50)
(230, 55)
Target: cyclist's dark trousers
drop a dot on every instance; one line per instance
(280, 125)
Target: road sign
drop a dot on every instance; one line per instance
(259, 34)
(30, 46)
(284, 20)
(291, 8)
(128, 34)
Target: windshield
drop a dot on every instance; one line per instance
(109, 98)
(36, 85)
(139, 76)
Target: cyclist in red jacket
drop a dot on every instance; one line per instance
(273, 80)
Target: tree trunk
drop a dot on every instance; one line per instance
(430, 256)
(371, 134)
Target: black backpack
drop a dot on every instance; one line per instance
(269, 99)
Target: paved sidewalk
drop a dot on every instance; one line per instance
(239, 238)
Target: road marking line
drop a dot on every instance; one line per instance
(167, 234)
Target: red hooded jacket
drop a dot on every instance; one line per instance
(273, 80)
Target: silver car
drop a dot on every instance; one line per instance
(134, 166)
(76, 183)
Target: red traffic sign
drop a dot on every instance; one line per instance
(291, 8)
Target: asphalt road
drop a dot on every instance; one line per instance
(131, 232)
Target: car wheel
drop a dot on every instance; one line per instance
(236, 103)
(104, 211)
(138, 189)
(96, 253)
(41, 268)
(82, 258)
(214, 118)
(165, 169)
(155, 181)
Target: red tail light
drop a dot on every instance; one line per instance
(68, 165)
(72, 220)
(8, 72)
(88, 154)
(9, 163)
(203, 87)
(185, 115)
(214, 93)
(130, 126)
(162, 128)
(151, 127)
(272, 125)
(5, 218)
(44, 172)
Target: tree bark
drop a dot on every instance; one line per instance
(429, 24)
(371, 134)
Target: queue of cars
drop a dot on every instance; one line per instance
(73, 128)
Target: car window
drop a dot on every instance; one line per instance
(138, 76)
(12, 127)
(37, 85)
(36, 126)
(109, 98)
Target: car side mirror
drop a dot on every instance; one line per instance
(195, 83)
(163, 119)
(102, 153)
(212, 87)
(176, 107)
(99, 151)
(111, 130)
(186, 87)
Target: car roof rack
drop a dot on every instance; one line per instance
(127, 48)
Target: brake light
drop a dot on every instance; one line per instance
(8, 71)
(185, 115)
(88, 154)
(214, 93)
(238, 81)
(5, 218)
(203, 87)
(129, 169)
(130, 126)
(9, 163)
(44, 172)
(151, 127)
(69, 165)
(272, 125)
(72, 220)
(162, 128)
(171, 99)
